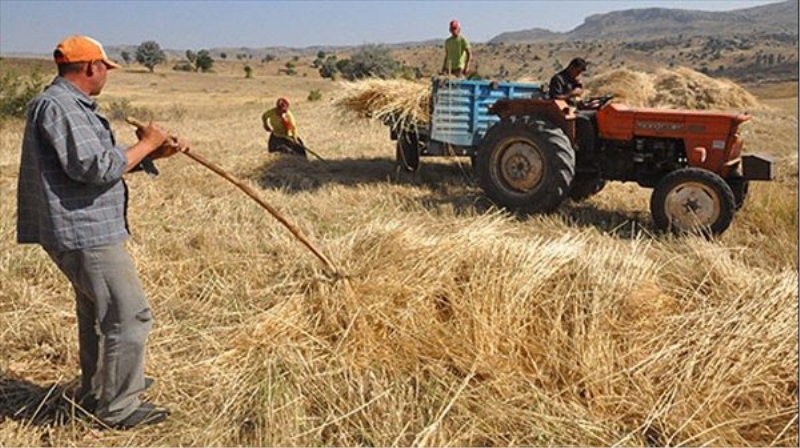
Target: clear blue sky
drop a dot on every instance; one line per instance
(37, 26)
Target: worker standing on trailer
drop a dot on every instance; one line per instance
(279, 123)
(72, 201)
(457, 52)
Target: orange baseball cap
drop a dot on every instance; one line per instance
(81, 49)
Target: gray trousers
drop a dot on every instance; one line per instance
(114, 321)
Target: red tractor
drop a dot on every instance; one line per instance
(544, 150)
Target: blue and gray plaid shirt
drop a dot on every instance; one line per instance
(70, 193)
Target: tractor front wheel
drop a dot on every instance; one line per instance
(692, 200)
(526, 163)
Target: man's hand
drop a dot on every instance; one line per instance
(171, 147)
(152, 135)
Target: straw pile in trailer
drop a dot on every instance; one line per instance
(681, 88)
(633, 88)
(686, 88)
(403, 104)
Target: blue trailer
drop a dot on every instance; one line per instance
(459, 118)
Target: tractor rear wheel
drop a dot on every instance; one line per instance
(408, 150)
(526, 163)
(692, 200)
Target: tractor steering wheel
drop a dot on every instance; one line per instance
(594, 102)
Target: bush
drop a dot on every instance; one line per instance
(372, 61)
(314, 95)
(183, 67)
(122, 109)
(16, 92)
(204, 62)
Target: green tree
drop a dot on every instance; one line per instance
(223, 56)
(204, 61)
(149, 54)
(371, 61)
(248, 71)
(126, 56)
(191, 56)
(328, 67)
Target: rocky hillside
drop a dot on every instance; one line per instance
(650, 23)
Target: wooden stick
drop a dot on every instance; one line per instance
(250, 192)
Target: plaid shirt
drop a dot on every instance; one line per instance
(70, 191)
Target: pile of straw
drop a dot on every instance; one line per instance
(689, 89)
(681, 88)
(630, 87)
(403, 104)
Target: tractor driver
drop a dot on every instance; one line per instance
(566, 85)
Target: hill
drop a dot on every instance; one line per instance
(653, 23)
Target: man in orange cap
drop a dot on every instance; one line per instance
(457, 52)
(279, 123)
(72, 201)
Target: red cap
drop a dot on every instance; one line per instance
(454, 25)
(81, 49)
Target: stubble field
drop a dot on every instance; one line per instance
(456, 323)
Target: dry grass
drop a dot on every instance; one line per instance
(457, 324)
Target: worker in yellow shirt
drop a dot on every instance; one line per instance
(279, 123)
(457, 52)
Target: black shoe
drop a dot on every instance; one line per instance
(145, 414)
(88, 402)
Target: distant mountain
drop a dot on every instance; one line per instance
(650, 23)
(532, 35)
(628, 25)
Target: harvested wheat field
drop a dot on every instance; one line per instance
(450, 322)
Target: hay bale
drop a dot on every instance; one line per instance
(402, 104)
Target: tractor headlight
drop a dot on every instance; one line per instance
(744, 129)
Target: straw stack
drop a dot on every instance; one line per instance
(686, 88)
(681, 88)
(402, 104)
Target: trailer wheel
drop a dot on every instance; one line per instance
(408, 150)
(526, 163)
(692, 200)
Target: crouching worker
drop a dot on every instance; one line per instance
(72, 201)
(279, 123)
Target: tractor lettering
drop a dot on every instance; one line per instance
(659, 126)
(696, 128)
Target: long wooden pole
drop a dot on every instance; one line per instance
(252, 193)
